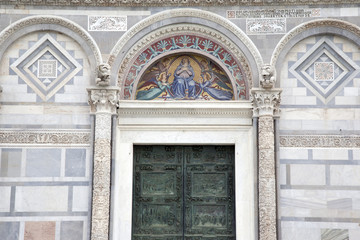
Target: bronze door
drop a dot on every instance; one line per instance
(183, 193)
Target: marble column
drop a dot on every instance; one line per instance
(266, 101)
(103, 102)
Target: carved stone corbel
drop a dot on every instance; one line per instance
(103, 102)
(266, 102)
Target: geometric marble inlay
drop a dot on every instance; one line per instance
(46, 67)
(324, 69)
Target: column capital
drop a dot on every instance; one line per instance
(266, 102)
(103, 99)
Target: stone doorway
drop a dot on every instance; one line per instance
(183, 192)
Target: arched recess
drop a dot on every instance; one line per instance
(52, 23)
(318, 69)
(313, 28)
(182, 31)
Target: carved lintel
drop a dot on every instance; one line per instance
(266, 102)
(103, 100)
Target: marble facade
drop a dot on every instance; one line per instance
(67, 129)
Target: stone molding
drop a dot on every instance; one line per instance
(184, 3)
(103, 100)
(45, 137)
(266, 102)
(45, 23)
(318, 23)
(320, 141)
(189, 29)
(219, 113)
(187, 13)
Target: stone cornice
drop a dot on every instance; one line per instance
(103, 100)
(266, 102)
(142, 3)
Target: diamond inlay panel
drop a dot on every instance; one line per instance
(324, 69)
(46, 67)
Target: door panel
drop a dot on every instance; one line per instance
(183, 192)
(158, 203)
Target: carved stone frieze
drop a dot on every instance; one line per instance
(103, 100)
(266, 102)
(141, 3)
(41, 136)
(320, 141)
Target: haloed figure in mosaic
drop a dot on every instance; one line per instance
(183, 86)
(184, 78)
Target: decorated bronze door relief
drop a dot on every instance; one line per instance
(183, 192)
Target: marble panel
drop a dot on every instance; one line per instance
(309, 100)
(39, 231)
(307, 174)
(334, 234)
(356, 154)
(347, 100)
(9, 230)
(75, 162)
(41, 162)
(351, 91)
(354, 234)
(71, 230)
(296, 233)
(330, 154)
(293, 153)
(41, 199)
(80, 199)
(10, 164)
(5, 193)
(282, 174)
(345, 175)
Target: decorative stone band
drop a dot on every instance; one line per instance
(320, 141)
(48, 137)
(141, 3)
(266, 102)
(103, 101)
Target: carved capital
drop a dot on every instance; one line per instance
(266, 102)
(103, 100)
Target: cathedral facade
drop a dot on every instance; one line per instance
(184, 119)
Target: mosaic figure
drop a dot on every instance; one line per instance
(184, 78)
(183, 86)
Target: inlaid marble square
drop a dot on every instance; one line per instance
(39, 231)
(47, 69)
(324, 71)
